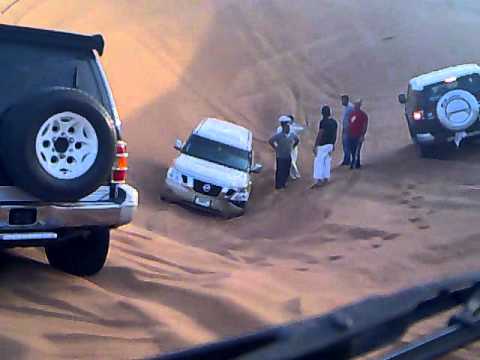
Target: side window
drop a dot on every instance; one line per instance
(472, 84)
(86, 80)
(410, 100)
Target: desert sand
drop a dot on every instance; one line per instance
(175, 277)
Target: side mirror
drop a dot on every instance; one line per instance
(402, 99)
(257, 168)
(178, 145)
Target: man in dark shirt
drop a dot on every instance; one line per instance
(283, 144)
(324, 145)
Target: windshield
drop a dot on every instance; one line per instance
(218, 153)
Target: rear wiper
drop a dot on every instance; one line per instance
(362, 327)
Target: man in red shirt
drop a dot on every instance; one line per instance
(357, 129)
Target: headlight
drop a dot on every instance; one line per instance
(174, 174)
(241, 195)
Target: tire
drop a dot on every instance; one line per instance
(229, 216)
(413, 135)
(242, 205)
(431, 151)
(81, 255)
(58, 144)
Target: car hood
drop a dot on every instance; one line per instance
(210, 172)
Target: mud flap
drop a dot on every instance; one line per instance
(459, 136)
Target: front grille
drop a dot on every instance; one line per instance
(199, 186)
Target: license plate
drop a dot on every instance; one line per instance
(203, 201)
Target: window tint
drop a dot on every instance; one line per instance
(25, 68)
(412, 101)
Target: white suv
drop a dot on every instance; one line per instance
(213, 170)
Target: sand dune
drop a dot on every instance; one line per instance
(177, 277)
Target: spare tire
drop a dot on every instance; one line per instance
(58, 144)
(457, 110)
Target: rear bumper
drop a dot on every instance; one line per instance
(186, 195)
(97, 209)
(430, 131)
(429, 138)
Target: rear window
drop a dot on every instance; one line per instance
(470, 83)
(25, 68)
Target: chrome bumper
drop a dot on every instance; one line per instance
(184, 194)
(97, 209)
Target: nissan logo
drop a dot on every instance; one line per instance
(206, 188)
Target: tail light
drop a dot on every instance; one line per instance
(120, 167)
(418, 115)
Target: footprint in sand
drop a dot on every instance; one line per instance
(253, 259)
(335, 257)
(294, 306)
(388, 237)
(407, 197)
(418, 198)
(327, 213)
(302, 269)
(265, 264)
(419, 222)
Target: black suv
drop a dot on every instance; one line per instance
(63, 161)
(443, 106)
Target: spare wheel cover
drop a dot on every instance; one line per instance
(457, 110)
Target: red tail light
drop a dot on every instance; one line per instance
(120, 167)
(418, 115)
(119, 176)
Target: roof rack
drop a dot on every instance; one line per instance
(51, 37)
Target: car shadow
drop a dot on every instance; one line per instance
(17, 264)
(469, 151)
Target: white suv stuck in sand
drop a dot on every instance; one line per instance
(213, 170)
